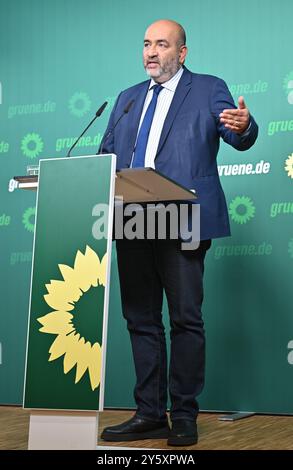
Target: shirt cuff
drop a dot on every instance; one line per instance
(246, 132)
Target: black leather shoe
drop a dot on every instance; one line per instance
(183, 433)
(135, 429)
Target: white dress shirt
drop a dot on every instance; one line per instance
(163, 104)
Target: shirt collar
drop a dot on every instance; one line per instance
(170, 84)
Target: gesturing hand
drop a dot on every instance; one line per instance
(236, 119)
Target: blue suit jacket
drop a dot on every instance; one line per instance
(189, 142)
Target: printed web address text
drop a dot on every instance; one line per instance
(32, 108)
(247, 88)
(236, 169)
(262, 249)
(87, 141)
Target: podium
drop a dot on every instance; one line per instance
(69, 293)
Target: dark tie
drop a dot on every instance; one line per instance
(143, 135)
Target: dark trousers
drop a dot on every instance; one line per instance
(146, 269)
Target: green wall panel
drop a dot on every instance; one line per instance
(59, 61)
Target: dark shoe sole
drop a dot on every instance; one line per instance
(154, 434)
(182, 441)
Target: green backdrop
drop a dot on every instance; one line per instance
(59, 61)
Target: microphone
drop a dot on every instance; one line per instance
(98, 113)
(125, 111)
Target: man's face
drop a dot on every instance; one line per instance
(163, 54)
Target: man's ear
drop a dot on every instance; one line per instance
(183, 53)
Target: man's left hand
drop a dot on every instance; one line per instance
(236, 119)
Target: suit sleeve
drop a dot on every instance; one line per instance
(221, 99)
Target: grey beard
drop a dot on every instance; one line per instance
(170, 70)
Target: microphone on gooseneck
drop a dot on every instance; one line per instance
(98, 113)
(125, 111)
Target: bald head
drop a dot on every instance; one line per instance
(170, 25)
(164, 49)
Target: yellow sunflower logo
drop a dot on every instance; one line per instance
(88, 271)
(289, 165)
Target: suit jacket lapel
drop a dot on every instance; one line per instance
(182, 89)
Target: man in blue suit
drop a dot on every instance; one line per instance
(174, 125)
